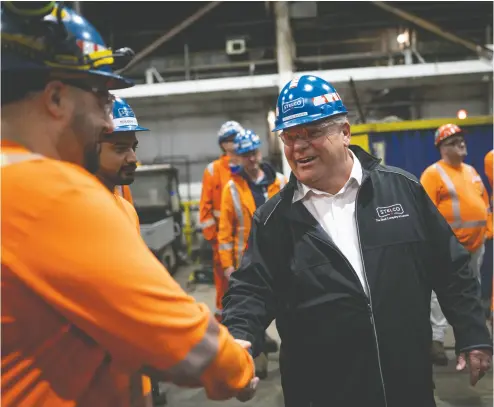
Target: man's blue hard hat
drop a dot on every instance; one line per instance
(305, 100)
(51, 37)
(124, 118)
(229, 129)
(246, 142)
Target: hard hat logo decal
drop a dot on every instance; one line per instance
(327, 98)
(293, 104)
(89, 47)
(294, 116)
(126, 112)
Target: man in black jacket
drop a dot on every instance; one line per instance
(345, 258)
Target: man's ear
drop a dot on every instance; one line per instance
(56, 99)
(347, 135)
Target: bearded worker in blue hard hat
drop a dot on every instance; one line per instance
(345, 258)
(87, 309)
(118, 160)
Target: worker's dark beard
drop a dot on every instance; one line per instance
(91, 158)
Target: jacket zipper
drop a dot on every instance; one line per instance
(368, 297)
(369, 304)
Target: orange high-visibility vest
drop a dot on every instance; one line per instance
(488, 164)
(215, 177)
(237, 208)
(461, 197)
(86, 306)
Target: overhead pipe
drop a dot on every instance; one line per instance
(170, 34)
(481, 50)
(356, 99)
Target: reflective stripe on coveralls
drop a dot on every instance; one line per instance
(455, 202)
(8, 159)
(238, 210)
(199, 357)
(197, 360)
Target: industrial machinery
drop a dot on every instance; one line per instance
(157, 201)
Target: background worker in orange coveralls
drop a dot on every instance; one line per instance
(460, 196)
(488, 169)
(215, 177)
(118, 162)
(241, 196)
(82, 314)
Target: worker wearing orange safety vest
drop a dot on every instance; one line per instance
(459, 194)
(488, 164)
(215, 177)
(488, 169)
(86, 307)
(241, 196)
(118, 162)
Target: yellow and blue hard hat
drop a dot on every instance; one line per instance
(46, 36)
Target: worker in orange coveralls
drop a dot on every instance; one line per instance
(460, 196)
(488, 168)
(86, 307)
(118, 162)
(215, 177)
(242, 195)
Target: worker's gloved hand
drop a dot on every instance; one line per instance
(479, 361)
(228, 271)
(248, 392)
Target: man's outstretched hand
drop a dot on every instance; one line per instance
(479, 361)
(248, 392)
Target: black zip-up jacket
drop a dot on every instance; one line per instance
(341, 347)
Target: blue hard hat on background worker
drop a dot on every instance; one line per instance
(246, 142)
(228, 130)
(305, 100)
(124, 118)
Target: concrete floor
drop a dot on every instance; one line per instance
(452, 388)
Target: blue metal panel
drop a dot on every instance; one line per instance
(414, 150)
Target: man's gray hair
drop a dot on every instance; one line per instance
(340, 119)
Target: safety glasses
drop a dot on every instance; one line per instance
(104, 97)
(308, 134)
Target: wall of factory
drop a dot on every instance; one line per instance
(446, 100)
(188, 130)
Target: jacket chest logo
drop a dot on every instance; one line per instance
(395, 211)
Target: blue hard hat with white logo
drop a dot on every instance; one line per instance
(246, 142)
(229, 129)
(124, 118)
(305, 100)
(45, 36)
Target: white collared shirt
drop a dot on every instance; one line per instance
(336, 214)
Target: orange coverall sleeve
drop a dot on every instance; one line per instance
(206, 216)
(84, 257)
(485, 197)
(431, 183)
(226, 229)
(488, 166)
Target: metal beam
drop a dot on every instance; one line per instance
(426, 25)
(170, 34)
